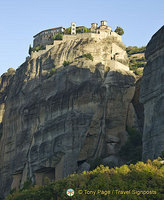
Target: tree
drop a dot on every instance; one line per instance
(58, 36)
(119, 30)
(68, 31)
(82, 29)
(30, 50)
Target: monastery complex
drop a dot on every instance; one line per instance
(45, 40)
(45, 37)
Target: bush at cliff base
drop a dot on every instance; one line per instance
(129, 182)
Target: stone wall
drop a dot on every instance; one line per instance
(101, 35)
(42, 41)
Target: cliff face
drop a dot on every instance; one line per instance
(152, 96)
(55, 124)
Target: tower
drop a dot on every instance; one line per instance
(103, 23)
(73, 28)
(93, 26)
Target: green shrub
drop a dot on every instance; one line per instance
(135, 61)
(68, 31)
(13, 191)
(47, 181)
(27, 184)
(139, 177)
(134, 49)
(37, 48)
(65, 63)
(57, 36)
(82, 30)
(88, 56)
(138, 72)
(53, 71)
(78, 30)
(136, 64)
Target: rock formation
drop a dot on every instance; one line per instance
(54, 123)
(152, 96)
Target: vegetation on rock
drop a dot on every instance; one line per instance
(37, 48)
(30, 50)
(82, 30)
(53, 71)
(88, 56)
(134, 49)
(119, 30)
(57, 36)
(142, 181)
(66, 62)
(137, 59)
(68, 30)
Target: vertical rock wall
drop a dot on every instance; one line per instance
(152, 96)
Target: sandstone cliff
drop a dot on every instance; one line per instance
(55, 124)
(152, 96)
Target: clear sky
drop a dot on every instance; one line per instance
(20, 20)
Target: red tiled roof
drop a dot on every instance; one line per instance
(48, 30)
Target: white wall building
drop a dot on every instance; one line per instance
(73, 28)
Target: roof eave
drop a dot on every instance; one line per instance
(47, 30)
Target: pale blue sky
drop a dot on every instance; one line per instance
(20, 20)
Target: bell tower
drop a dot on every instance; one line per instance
(73, 28)
(94, 26)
